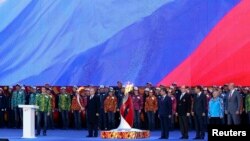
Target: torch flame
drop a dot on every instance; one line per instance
(129, 87)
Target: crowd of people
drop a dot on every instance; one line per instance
(162, 107)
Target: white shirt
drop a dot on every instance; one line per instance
(182, 95)
(163, 97)
(91, 96)
(199, 94)
(231, 93)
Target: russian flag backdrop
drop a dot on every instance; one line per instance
(97, 42)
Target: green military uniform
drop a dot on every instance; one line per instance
(44, 103)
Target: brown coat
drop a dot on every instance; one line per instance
(151, 104)
(110, 104)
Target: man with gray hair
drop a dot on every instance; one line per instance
(92, 107)
(233, 105)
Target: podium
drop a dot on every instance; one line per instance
(28, 120)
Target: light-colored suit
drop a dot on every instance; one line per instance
(233, 104)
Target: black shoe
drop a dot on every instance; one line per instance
(89, 136)
(202, 138)
(185, 138)
(181, 137)
(162, 138)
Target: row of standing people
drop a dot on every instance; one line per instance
(146, 105)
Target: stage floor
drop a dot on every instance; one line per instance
(78, 135)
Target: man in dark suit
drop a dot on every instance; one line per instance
(199, 112)
(3, 106)
(92, 113)
(165, 112)
(183, 111)
(233, 105)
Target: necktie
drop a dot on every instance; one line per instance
(231, 93)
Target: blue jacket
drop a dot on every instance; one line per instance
(216, 107)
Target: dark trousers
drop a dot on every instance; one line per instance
(232, 118)
(248, 114)
(51, 121)
(65, 119)
(117, 118)
(11, 118)
(215, 121)
(183, 121)
(151, 120)
(42, 117)
(137, 122)
(157, 121)
(1, 118)
(224, 120)
(199, 125)
(92, 127)
(111, 120)
(164, 127)
(171, 122)
(77, 119)
(191, 124)
(144, 123)
(102, 119)
(18, 114)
